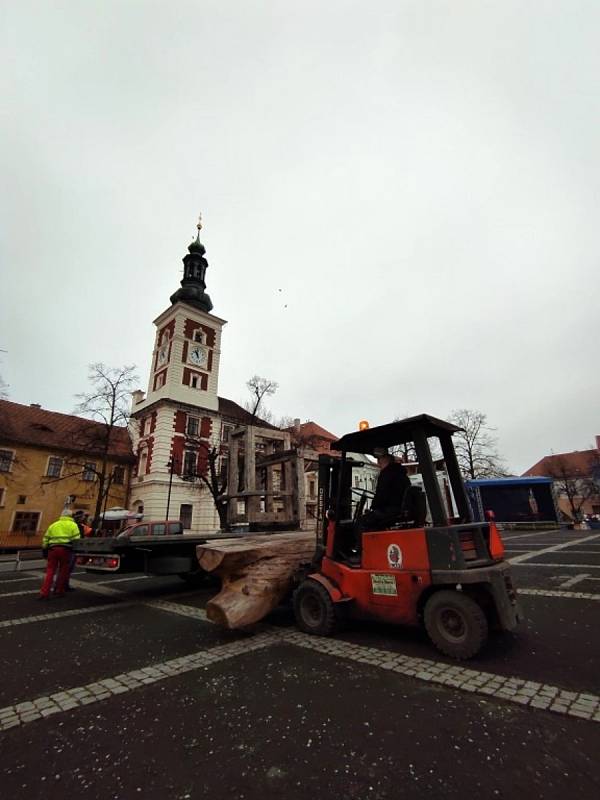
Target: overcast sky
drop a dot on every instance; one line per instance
(420, 179)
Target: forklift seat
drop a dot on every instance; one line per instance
(413, 512)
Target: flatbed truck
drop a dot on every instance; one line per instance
(155, 555)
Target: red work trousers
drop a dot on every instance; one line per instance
(58, 559)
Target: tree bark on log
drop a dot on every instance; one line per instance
(256, 574)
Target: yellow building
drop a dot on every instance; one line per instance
(49, 461)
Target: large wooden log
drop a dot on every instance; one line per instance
(256, 574)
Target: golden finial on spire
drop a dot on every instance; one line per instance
(199, 225)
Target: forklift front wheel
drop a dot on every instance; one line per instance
(456, 624)
(314, 609)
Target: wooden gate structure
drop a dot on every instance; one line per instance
(265, 480)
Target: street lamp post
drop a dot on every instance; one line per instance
(171, 466)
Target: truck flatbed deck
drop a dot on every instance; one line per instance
(157, 555)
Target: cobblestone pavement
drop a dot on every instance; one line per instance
(124, 660)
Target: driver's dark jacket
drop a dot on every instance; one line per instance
(391, 485)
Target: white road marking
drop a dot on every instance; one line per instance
(122, 580)
(70, 612)
(568, 552)
(506, 537)
(557, 566)
(178, 608)
(554, 549)
(559, 593)
(574, 580)
(23, 591)
(19, 580)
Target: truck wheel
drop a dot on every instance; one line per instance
(313, 609)
(456, 624)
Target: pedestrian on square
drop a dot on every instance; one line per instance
(57, 546)
(78, 518)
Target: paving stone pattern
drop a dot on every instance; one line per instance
(21, 713)
(515, 690)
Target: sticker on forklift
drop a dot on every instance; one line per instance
(394, 555)
(384, 584)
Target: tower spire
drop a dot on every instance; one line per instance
(193, 284)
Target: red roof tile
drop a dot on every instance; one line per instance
(580, 462)
(313, 436)
(20, 424)
(234, 412)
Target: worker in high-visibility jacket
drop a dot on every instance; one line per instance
(57, 546)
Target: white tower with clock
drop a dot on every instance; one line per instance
(178, 421)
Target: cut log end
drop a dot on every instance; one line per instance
(215, 614)
(256, 575)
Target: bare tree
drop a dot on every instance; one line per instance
(476, 445)
(108, 403)
(214, 479)
(259, 388)
(406, 451)
(576, 484)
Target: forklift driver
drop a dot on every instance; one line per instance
(392, 483)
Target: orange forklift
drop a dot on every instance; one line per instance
(431, 565)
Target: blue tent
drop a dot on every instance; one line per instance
(515, 500)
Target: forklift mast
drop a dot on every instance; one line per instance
(334, 493)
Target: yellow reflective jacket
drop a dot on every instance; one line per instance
(64, 531)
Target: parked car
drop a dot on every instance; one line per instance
(160, 527)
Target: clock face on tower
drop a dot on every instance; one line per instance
(198, 355)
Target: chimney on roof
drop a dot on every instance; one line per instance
(136, 397)
(34, 405)
(297, 424)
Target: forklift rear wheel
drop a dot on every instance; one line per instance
(456, 624)
(313, 609)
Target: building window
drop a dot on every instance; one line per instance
(22, 499)
(2, 496)
(143, 427)
(189, 463)
(311, 489)
(185, 515)
(143, 462)
(54, 467)
(119, 476)
(193, 424)
(6, 459)
(194, 381)
(89, 471)
(160, 380)
(199, 336)
(26, 522)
